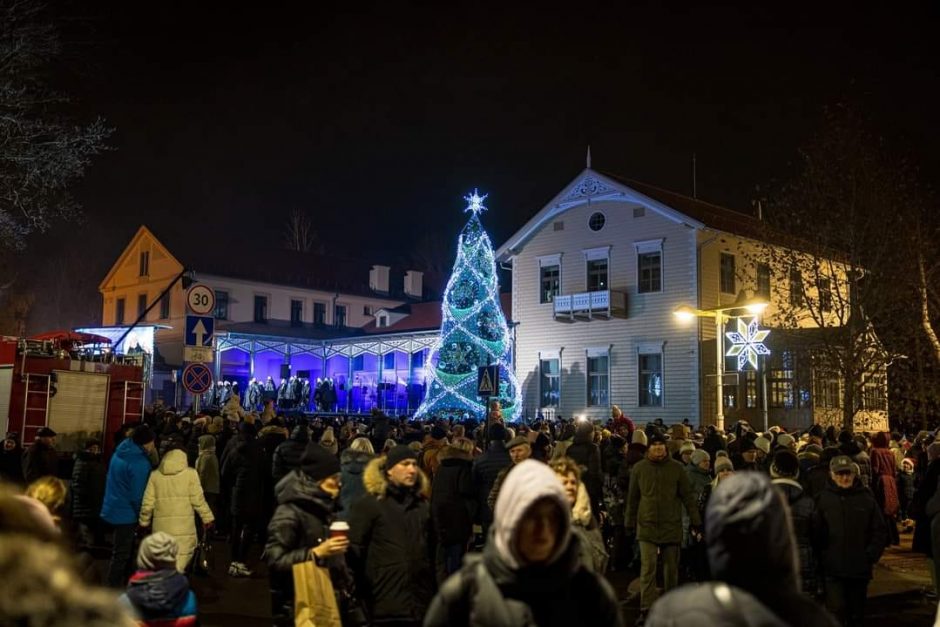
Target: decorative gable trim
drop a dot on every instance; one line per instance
(125, 257)
(589, 186)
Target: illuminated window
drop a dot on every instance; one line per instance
(598, 371)
(650, 380)
(549, 283)
(549, 382)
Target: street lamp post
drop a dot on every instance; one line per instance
(753, 305)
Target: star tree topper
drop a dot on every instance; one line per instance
(475, 203)
(747, 343)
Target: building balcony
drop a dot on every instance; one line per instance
(603, 305)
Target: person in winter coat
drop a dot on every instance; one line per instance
(41, 459)
(659, 488)
(583, 523)
(713, 441)
(855, 448)
(588, 456)
(353, 463)
(299, 528)
(434, 443)
(207, 466)
(884, 484)
(519, 451)
(123, 494)
(818, 478)
(785, 473)
(854, 538)
(244, 471)
(11, 459)
(923, 541)
(173, 493)
(755, 581)
(390, 539)
(288, 453)
(530, 572)
(453, 505)
(88, 477)
(158, 594)
(906, 490)
(486, 469)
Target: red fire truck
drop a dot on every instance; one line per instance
(71, 383)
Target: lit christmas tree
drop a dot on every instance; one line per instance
(474, 332)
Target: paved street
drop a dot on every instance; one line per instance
(895, 595)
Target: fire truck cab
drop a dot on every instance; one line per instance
(80, 390)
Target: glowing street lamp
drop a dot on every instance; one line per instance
(754, 305)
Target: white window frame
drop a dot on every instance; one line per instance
(548, 260)
(651, 348)
(596, 254)
(552, 353)
(593, 352)
(651, 246)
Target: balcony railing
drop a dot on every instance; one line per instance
(603, 305)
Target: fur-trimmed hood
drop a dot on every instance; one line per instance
(449, 452)
(376, 482)
(350, 456)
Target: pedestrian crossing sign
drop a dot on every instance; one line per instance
(488, 381)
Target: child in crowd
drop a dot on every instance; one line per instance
(158, 593)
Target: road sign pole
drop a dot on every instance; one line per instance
(196, 398)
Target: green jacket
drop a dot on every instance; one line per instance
(658, 491)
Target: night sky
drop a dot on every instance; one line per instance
(378, 118)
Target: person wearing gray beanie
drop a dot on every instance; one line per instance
(158, 592)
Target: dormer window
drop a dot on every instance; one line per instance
(383, 321)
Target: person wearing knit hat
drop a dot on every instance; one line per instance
(763, 445)
(126, 482)
(533, 560)
(639, 437)
(300, 526)
(699, 457)
(786, 440)
(158, 593)
(685, 452)
(785, 470)
(389, 538)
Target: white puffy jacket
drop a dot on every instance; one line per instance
(173, 493)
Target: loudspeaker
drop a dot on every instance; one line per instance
(303, 374)
(285, 371)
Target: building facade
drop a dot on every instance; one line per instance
(597, 276)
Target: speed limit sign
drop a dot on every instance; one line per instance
(200, 299)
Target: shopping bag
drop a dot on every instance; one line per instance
(314, 600)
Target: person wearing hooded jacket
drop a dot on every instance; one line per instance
(753, 565)
(530, 572)
(854, 538)
(288, 453)
(453, 505)
(588, 456)
(390, 547)
(158, 594)
(299, 528)
(243, 470)
(486, 469)
(124, 488)
(173, 493)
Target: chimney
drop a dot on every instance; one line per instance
(414, 284)
(378, 279)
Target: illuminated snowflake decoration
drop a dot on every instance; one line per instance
(475, 202)
(747, 343)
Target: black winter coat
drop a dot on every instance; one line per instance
(88, 478)
(922, 538)
(300, 522)
(588, 456)
(40, 460)
(287, 454)
(390, 547)
(854, 531)
(244, 470)
(806, 532)
(565, 593)
(11, 465)
(352, 466)
(486, 468)
(453, 498)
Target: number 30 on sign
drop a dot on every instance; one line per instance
(200, 299)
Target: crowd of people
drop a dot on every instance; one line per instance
(477, 523)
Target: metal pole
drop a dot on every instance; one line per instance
(144, 313)
(719, 349)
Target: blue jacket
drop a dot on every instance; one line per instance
(127, 480)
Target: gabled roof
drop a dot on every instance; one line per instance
(427, 317)
(142, 232)
(224, 258)
(593, 186)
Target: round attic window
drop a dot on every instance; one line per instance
(597, 221)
